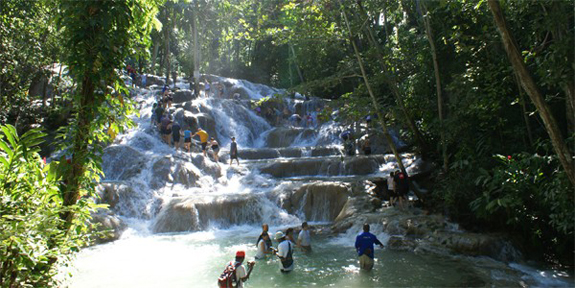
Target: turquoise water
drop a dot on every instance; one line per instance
(197, 259)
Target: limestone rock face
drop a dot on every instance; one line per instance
(154, 80)
(318, 201)
(183, 95)
(359, 165)
(122, 162)
(285, 136)
(207, 166)
(110, 226)
(193, 214)
(411, 230)
(172, 170)
(176, 216)
(207, 123)
(186, 119)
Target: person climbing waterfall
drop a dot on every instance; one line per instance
(154, 117)
(215, 148)
(203, 139)
(159, 113)
(207, 89)
(235, 272)
(401, 181)
(285, 251)
(364, 247)
(263, 247)
(187, 140)
(366, 146)
(304, 239)
(176, 135)
(143, 80)
(166, 128)
(348, 146)
(234, 152)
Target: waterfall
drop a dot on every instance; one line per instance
(177, 191)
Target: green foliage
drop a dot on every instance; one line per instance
(31, 239)
(531, 195)
(28, 45)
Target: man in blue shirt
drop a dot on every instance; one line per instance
(364, 246)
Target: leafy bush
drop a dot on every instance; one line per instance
(530, 195)
(31, 234)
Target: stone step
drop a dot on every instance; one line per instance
(286, 152)
(320, 167)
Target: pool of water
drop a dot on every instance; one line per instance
(197, 259)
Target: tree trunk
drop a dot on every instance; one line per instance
(392, 82)
(429, 34)
(167, 47)
(57, 87)
(196, 50)
(374, 102)
(76, 168)
(524, 110)
(295, 63)
(532, 90)
(154, 56)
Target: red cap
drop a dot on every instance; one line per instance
(241, 253)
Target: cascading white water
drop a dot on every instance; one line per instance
(187, 215)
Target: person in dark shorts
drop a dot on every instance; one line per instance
(166, 128)
(203, 139)
(401, 181)
(234, 151)
(187, 139)
(176, 135)
(159, 113)
(215, 148)
(366, 147)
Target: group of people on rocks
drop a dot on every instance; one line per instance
(172, 132)
(234, 274)
(349, 145)
(398, 187)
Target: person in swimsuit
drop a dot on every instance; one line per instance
(215, 148)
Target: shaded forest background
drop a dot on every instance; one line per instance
(439, 72)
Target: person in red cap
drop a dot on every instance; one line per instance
(235, 272)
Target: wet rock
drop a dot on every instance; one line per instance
(207, 123)
(183, 95)
(109, 226)
(186, 119)
(110, 192)
(400, 243)
(424, 233)
(193, 214)
(319, 201)
(155, 80)
(122, 162)
(258, 153)
(244, 94)
(177, 215)
(207, 166)
(360, 165)
(175, 171)
(285, 136)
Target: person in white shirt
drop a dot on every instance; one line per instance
(285, 251)
(235, 272)
(304, 239)
(263, 247)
